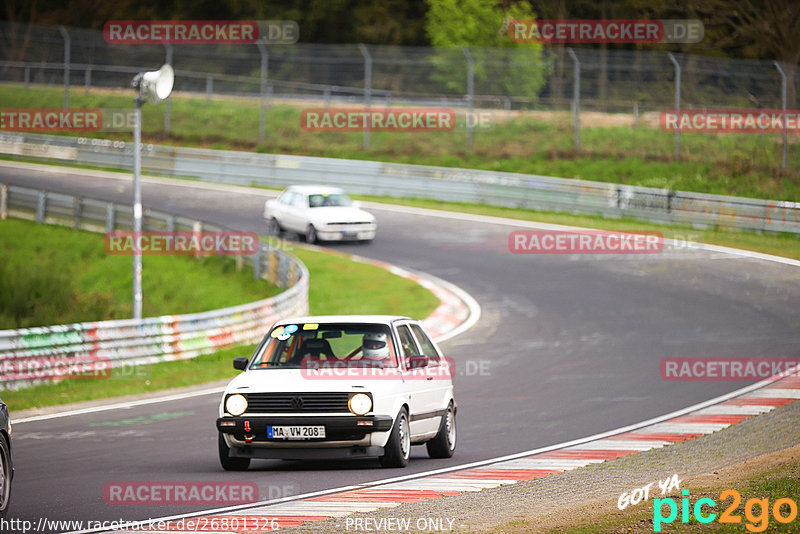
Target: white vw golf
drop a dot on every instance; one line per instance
(319, 213)
(339, 387)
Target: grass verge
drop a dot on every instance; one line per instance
(338, 286)
(56, 275)
(534, 143)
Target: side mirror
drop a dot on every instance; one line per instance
(240, 363)
(418, 362)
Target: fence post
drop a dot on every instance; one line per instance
(67, 51)
(470, 94)
(367, 90)
(27, 76)
(167, 110)
(262, 122)
(41, 203)
(110, 216)
(170, 223)
(783, 108)
(576, 98)
(209, 88)
(635, 114)
(677, 102)
(87, 79)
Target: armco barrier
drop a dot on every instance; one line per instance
(417, 181)
(96, 349)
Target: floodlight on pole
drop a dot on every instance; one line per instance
(154, 86)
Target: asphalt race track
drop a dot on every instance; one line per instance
(573, 344)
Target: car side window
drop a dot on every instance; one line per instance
(286, 198)
(299, 201)
(407, 341)
(425, 343)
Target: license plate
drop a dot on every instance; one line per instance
(295, 432)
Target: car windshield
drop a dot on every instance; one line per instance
(308, 344)
(324, 200)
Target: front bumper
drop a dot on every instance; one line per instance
(346, 235)
(337, 429)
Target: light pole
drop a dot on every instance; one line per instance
(154, 86)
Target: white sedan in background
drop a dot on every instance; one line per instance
(319, 213)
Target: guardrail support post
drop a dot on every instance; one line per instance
(167, 107)
(209, 88)
(367, 91)
(783, 108)
(262, 121)
(27, 77)
(257, 263)
(576, 98)
(170, 223)
(470, 94)
(67, 51)
(3, 202)
(41, 203)
(110, 217)
(76, 212)
(677, 102)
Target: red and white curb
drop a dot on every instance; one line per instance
(695, 421)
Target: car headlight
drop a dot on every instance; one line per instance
(236, 405)
(360, 403)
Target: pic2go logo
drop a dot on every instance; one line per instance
(783, 511)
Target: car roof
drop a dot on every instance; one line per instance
(315, 189)
(378, 319)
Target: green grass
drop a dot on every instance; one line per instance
(732, 164)
(338, 286)
(56, 275)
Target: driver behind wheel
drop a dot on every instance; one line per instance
(375, 348)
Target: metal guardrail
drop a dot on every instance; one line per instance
(95, 349)
(417, 181)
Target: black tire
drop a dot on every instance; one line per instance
(398, 448)
(274, 227)
(5, 477)
(311, 234)
(443, 445)
(228, 463)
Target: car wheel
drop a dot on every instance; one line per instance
(444, 443)
(5, 477)
(228, 463)
(398, 448)
(311, 234)
(274, 227)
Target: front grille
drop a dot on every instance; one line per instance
(297, 402)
